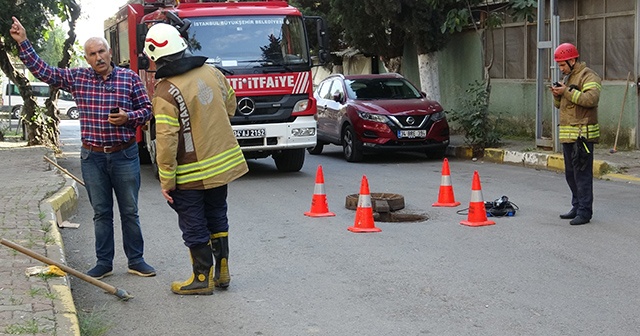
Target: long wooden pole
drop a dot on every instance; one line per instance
(63, 170)
(120, 293)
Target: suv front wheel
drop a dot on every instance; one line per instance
(16, 111)
(73, 113)
(351, 145)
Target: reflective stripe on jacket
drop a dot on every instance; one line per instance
(195, 145)
(579, 105)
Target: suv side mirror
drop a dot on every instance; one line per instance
(337, 97)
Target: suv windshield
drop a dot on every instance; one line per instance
(249, 41)
(381, 88)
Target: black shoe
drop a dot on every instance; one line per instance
(142, 269)
(569, 215)
(579, 221)
(100, 271)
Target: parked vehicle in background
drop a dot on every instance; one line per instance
(67, 105)
(12, 100)
(262, 48)
(366, 113)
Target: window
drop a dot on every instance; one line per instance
(323, 92)
(38, 90)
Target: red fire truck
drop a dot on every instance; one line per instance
(263, 49)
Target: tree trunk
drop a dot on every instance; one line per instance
(29, 105)
(429, 78)
(393, 64)
(52, 111)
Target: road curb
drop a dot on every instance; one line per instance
(555, 162)
(60, 207)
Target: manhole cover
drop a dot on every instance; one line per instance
(395, 201)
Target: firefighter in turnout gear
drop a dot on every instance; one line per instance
(197, 153)
(577, 98)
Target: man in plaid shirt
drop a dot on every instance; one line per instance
(112, 102)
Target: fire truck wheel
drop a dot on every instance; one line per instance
(290, 160)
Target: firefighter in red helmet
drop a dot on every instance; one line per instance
(577, 98)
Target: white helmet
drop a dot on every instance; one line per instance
(163, 40)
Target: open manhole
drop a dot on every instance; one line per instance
(396, 217)
(384, 206)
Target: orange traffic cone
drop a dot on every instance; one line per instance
(477, 212)
(319, 207)
(445, 197)
(364, 212)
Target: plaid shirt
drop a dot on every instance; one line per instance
(95, 96)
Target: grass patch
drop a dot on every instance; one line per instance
(50, 296)
(30, 327)
(33, 292)
(92, 323)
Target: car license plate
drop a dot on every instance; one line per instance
(412, 134)
(249, 133)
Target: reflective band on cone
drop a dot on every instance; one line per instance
(477, 212)
(319, 206)
(364, 213)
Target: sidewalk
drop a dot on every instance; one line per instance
(32, 192)
(620, 166)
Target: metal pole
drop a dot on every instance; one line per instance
(546, 40)
(637, 57)
(542, 45)
(555, 74)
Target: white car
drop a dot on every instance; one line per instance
(12, 101)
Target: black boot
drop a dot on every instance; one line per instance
(570, 215)
(220, 250)
(201, 281)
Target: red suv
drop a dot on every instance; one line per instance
(378, 112)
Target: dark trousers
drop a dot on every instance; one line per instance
(580, 181)
(200, 213)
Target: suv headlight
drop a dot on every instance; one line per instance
(373, 117)
(437, 116)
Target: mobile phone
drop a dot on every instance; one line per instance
(556, 84)
(114, 110)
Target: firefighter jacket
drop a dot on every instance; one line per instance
(195, 144)
(579, 105)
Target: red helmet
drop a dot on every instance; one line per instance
(565, 51)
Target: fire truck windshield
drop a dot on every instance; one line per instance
(249, 41)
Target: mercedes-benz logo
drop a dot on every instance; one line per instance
(246, 106)
(411, 120)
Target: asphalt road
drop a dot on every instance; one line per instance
(531, 274)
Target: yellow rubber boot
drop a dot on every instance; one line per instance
(220, 249)
(201, 280)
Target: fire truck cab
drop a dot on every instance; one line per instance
(262, 47)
